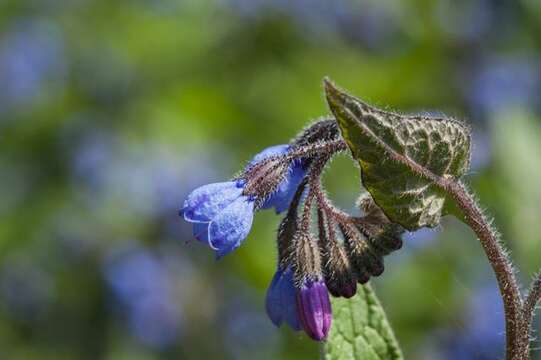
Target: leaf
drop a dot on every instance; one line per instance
(360, 330)
(389, 145)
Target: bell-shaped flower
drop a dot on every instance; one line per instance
(282, 196)
(281, 299)
(221, 215)
(314, 307)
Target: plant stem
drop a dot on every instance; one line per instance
(530, 302)
(517, 331)
(329, 147)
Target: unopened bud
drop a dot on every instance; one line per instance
(339, 275)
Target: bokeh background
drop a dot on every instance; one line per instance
(112, 111)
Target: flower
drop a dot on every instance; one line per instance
(281, 299)
(285, 191)
(221, 214)
(314, 307)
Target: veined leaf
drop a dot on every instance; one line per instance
(377, 138)
(360, 330)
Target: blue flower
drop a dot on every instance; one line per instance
(221, 215)
(285, 191)
(142, 285)
(281, 299)
(314, 307)
(482, 335)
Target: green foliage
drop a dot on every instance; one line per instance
(361, 330)
(378, 138)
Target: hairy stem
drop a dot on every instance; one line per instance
(533, 297)
(314, 175)
(517, 332)
(329, 147)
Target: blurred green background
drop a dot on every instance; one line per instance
(112, 111)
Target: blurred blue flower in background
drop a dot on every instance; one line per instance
(503, 82)
(464, 20)
(141, 285)
(247, 332)
(374, 25)
(25, 289)
(91, 154)
(419, 238)
(482, 336)
(148, 178)
(31, 53)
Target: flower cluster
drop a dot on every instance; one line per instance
(222, 213)
(343, 252)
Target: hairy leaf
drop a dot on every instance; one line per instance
(388, 145)
(360, 330)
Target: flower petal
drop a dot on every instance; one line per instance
(288, 300)
(273, 304)
(268, 152)
(201, 231)
(231, 226)
(205, 202)
(285, 192)
(281, 300)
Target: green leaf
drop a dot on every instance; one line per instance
(389, 145)
(360, 330)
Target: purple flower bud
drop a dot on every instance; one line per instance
(285, 191)
(338, 272)
(365, 259)
(221, 215)
(281, 299)
(349, 290)
(314, 309)
(343, 289)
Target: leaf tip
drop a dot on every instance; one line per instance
(335, 97)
